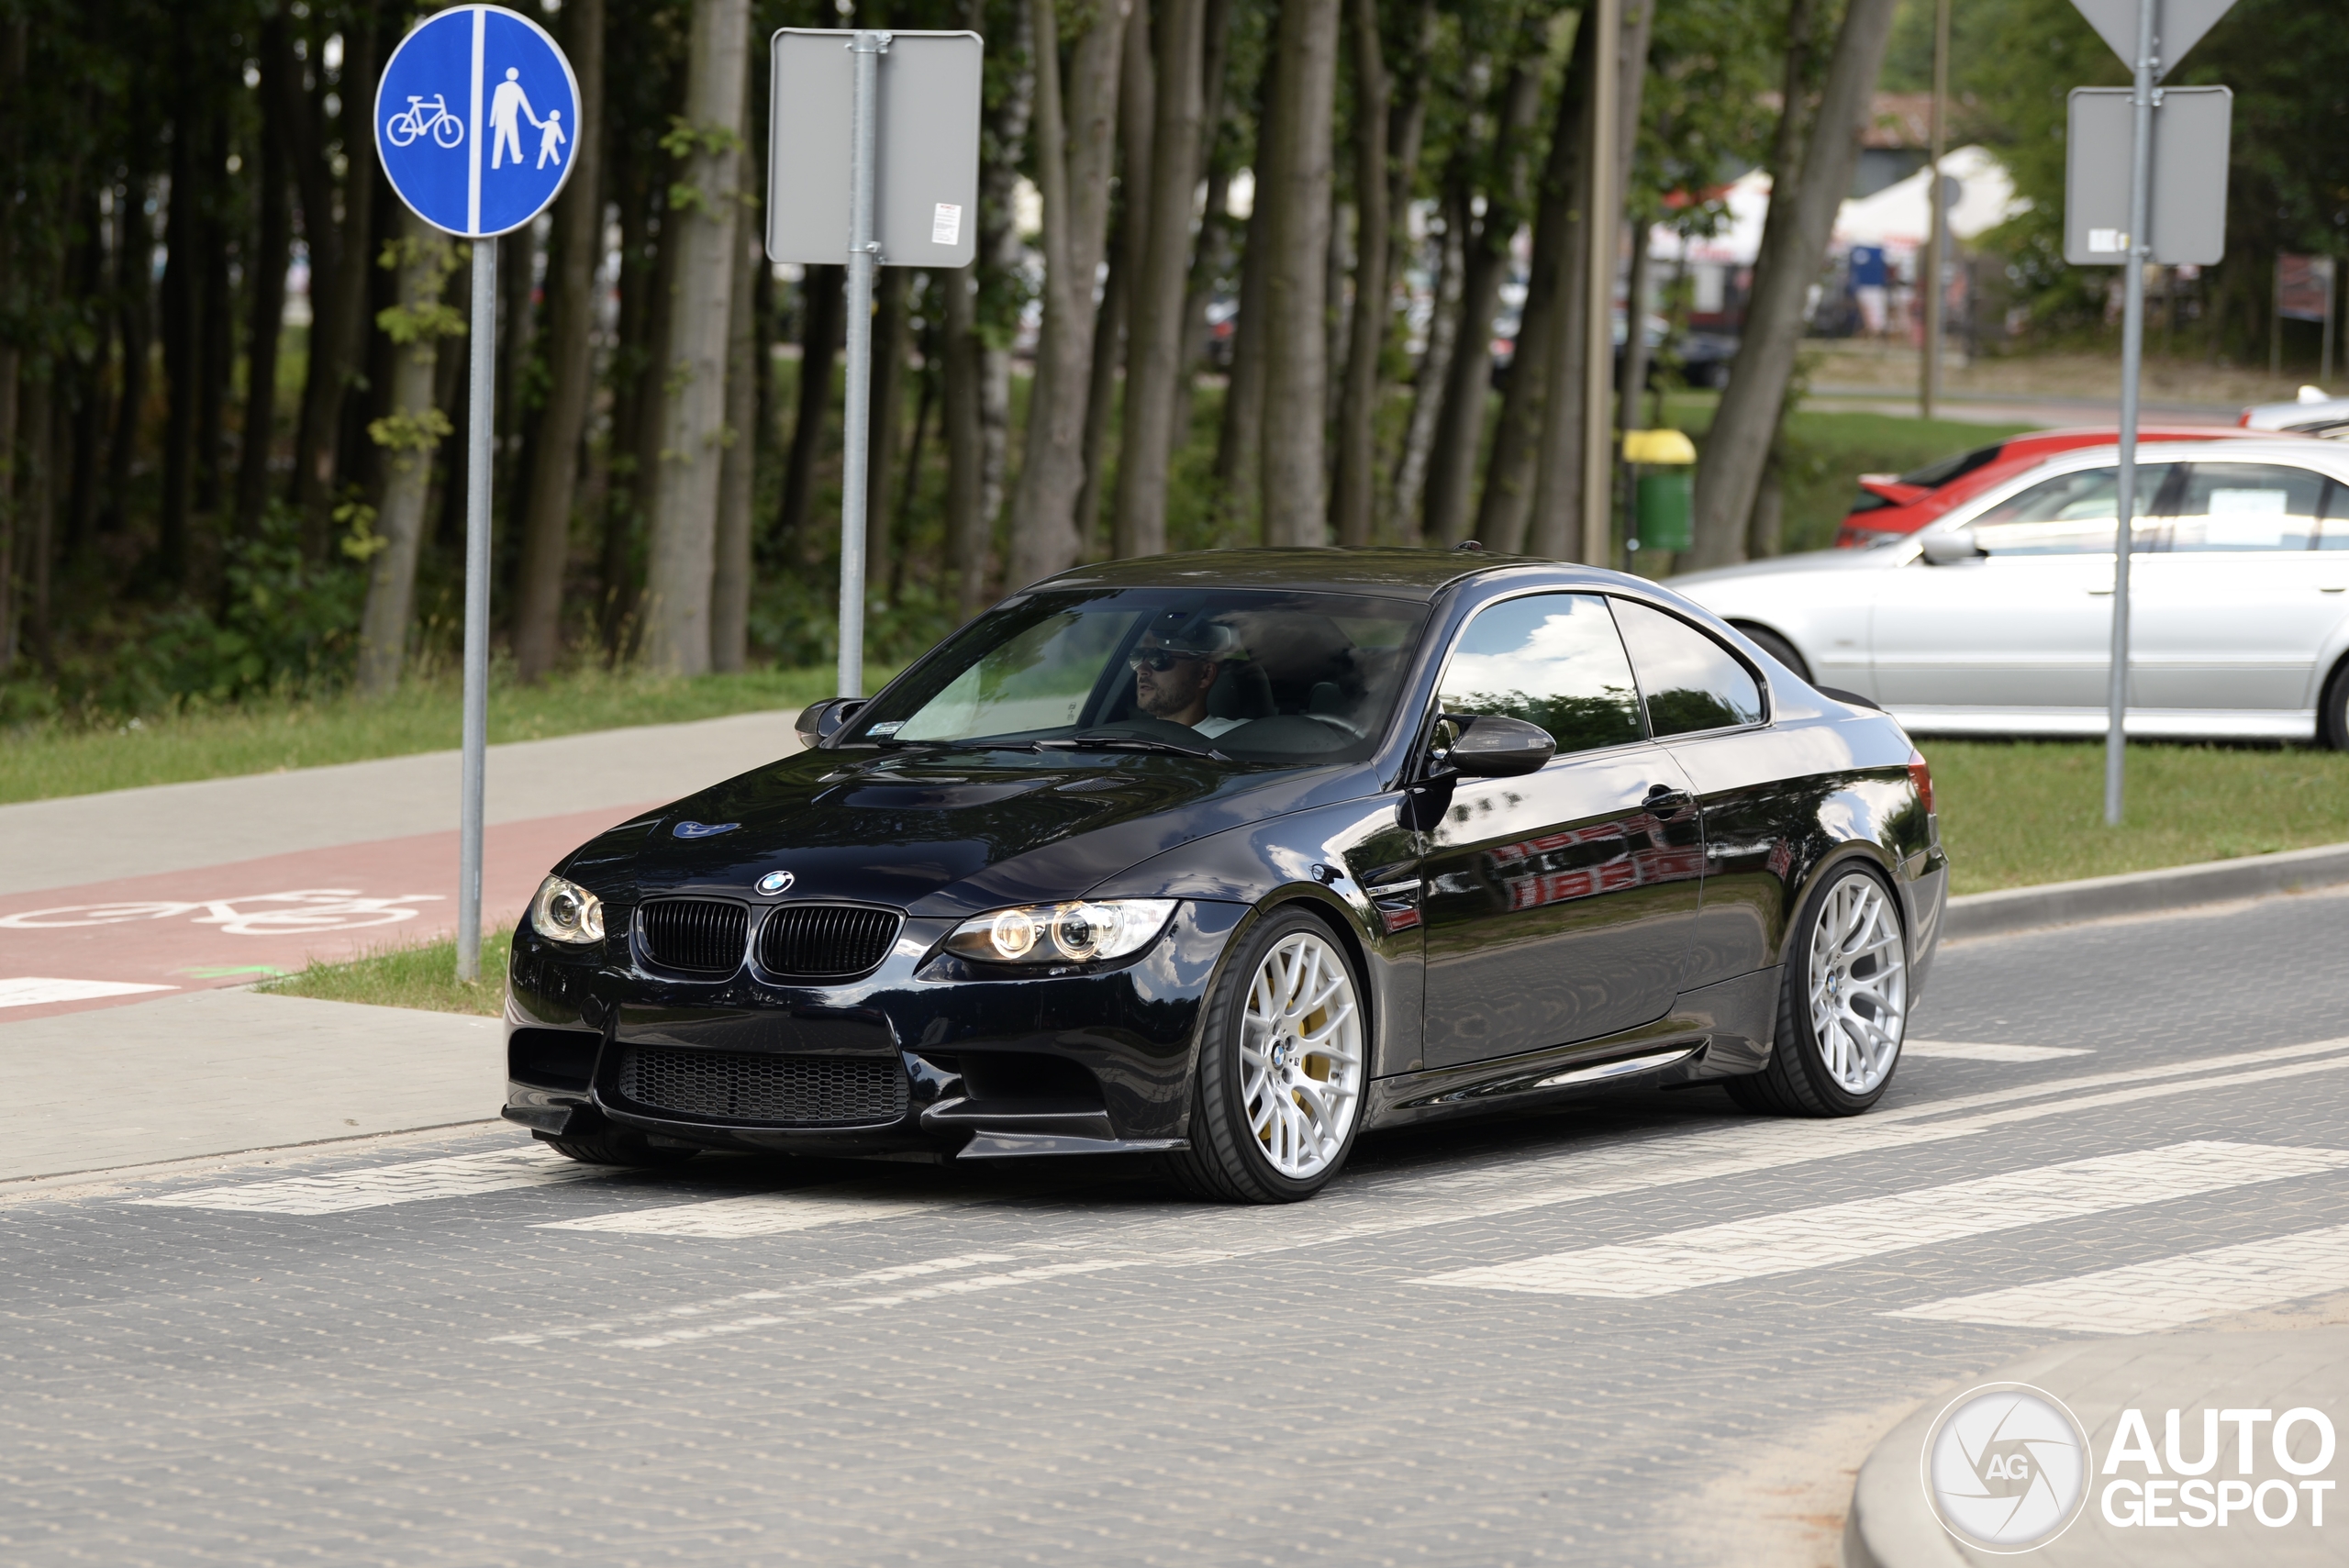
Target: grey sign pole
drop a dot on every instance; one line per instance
(480, 416)
(2132, 350)
(865, 50)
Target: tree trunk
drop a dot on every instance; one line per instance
(1101, 389)
(1634, 375)
(1433, 372)
(183, 314)
(966, 516)
(910, 480)
(410, 436)
(1158, 358)
(730, 594)
(1295, 180)
(1452, 471)
(1352, 507)
(892, 343)
(574, 256)
(685, 492)
(1552, 283)
(823, 315)
(1073, 149)
(267, 281)
(1804, 198)
(1239, 442)
(337, 316)
(12, 40)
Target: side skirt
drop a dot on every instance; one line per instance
(1721, 1030)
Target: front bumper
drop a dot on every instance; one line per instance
(930, 1052)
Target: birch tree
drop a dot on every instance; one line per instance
(703, 207)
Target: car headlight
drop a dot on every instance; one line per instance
(565, 912)
(1063, 933)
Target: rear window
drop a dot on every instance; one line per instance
(1933, 475)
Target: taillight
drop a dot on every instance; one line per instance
(1921, 776)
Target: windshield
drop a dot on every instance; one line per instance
(1251, 674)
(1933, 475)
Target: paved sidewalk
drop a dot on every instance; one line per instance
(140, 832)
(113, 900)
(217, 1071)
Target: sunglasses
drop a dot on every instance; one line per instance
(1161, 659)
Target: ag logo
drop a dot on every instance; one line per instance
(776, 882)
(2006, 1467)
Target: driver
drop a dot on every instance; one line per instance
(1175, 665)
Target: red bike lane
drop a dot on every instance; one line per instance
(242, 922)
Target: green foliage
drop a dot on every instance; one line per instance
(423, 976)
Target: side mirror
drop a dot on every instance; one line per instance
(1494, 748)
(1947, 547)
(819, 721)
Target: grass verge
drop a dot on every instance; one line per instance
(41, 762)
(423, 976)
(2017, 813)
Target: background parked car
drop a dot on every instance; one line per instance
(1891, 507)
(2310, 414)
(1998, 618)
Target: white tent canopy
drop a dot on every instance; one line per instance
(1895, 217)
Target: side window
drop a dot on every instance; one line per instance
(1692, 683)
(2071, 514)
(1552, 659)
(2236, 506)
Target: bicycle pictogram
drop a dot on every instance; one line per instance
(412, 122)
(262, 915)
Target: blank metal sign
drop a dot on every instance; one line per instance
(925, 211)
(2190, 187)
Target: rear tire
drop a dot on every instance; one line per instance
(616, 1146)
(1284, 1060)
(1843, 1005)
(2332, 711)
(1778, 647)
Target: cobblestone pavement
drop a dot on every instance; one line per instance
(1481, 1346)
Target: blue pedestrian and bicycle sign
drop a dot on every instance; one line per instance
(476, 120)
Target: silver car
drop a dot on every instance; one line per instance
(1998, 618)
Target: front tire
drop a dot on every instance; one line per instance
(1843, 1005)
(2332, 711)
(1284, 1060)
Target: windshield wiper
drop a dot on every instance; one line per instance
(1111, 741)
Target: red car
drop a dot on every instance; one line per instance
(1891, 505)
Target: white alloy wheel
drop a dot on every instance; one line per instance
(1859, 983)
(1301, 1056)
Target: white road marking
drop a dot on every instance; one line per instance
(458, 1175)
(1975, 1051)
(2167, 1293)
(34, 990)
(870, 1277)
(771, 1214)
(968, 1285)
(1803, 1238)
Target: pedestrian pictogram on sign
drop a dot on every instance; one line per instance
(475, 120)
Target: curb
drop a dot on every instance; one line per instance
(2143, 892)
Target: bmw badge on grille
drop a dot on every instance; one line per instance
(776, 882)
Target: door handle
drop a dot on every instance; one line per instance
(1664, 800)
(2099, 593)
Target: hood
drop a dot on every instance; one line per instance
(945, 832)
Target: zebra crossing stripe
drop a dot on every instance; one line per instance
(1844, 1232)
(2167, 1293)
(456, 1175)
(771, 1214)
(1976, 1051)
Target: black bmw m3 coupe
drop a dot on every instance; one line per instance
(1222, 859)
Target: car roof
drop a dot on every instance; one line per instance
(1387, 571)
(2110, 435)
